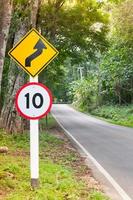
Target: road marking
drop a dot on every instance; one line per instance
(117, 187)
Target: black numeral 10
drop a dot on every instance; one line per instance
(33, 100)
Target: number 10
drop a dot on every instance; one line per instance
(33, 100)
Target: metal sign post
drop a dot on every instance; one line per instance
(34, 147)
(33, 100)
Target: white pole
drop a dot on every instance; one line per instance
(34, 148)
(81, 73)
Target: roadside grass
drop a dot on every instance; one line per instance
(120, 115)
(50, 123)
(59, 169)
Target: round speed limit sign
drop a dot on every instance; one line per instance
(33, 100)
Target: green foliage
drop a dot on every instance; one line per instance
(122, 21)
(17, 141)
(117, 74)
(97, 196)
(21, 14)
(54, 78)
(50, 123)
(78, 30)
(71, 38)
(84, 93)
(116, 66)
(21, 10)
(116, 1)
(4, 80)
(122, 115)
(115, 71)
(20, 2)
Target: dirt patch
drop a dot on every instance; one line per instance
(19, 153)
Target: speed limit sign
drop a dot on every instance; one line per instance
(33, 100)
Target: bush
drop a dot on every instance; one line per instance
(83, 93)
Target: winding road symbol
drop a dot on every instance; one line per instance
(33, 53)
(39, 46)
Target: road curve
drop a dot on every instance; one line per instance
(110, 145)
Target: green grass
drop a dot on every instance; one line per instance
(16, 141)
(57, 179)
(97, 196)
(56, 182)
(50, 123)
(121, 115)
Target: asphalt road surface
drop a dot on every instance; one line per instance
(110, 145)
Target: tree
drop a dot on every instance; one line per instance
(116, 67)
(5, 19)
(10, 119)
(83, 92)
(78, 30)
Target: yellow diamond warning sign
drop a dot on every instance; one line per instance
(33, 52)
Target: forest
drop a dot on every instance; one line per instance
(94, 67)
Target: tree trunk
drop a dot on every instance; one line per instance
(118, 91)
(10, 119)
(131, 90)
(5, 19)
(8, 113)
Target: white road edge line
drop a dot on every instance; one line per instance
(121, 192)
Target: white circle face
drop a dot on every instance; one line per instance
(33, 101)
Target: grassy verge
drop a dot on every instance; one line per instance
(62, 171)
(121, 115)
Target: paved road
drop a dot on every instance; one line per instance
(110, 145)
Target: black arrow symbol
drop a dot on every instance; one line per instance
(39, 46)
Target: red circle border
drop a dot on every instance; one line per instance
(17, 106)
